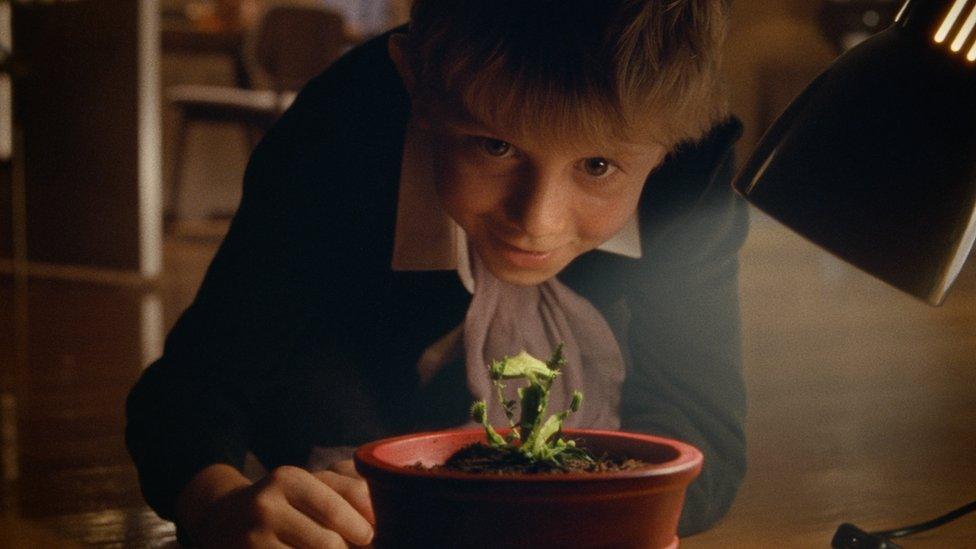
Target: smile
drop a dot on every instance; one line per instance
(519, 257)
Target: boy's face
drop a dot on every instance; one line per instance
(530, 207)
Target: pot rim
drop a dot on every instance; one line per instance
(688, 460)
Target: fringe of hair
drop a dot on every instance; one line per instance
(572, 70)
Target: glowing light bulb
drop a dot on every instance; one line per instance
(950, 20)
(967, 28)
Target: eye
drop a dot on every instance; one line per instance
(495, 147)
(597, 167)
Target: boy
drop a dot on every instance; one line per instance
(503, 174)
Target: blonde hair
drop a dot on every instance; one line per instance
(595, 69)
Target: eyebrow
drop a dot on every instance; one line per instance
(465, 122)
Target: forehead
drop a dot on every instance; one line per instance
(559, 138)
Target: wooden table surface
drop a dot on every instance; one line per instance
(861, 402)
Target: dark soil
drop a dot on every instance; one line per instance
(479, 458)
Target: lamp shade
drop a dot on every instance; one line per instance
(876, 160)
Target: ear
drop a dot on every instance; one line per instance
(397, 47)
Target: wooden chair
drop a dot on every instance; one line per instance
(292, 44)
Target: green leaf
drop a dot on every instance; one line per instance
(548, 429)
(522, 365)
(534, 401)
(577, 400)
(479, 413)
(557, 360)
(538, 439)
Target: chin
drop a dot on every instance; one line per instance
(519, 277)
(524, 279)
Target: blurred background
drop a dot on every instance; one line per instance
(125, 127)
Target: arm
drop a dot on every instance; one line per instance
(230, 376)
(190, 409)
(684, 337)
(271, 333)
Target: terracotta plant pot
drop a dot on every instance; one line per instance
(422, 508)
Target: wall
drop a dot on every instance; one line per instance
(773, 51)
(85, 103)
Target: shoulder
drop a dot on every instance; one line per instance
(688, 205)
(688, 173)
(358, 100)
(363, 75)
(326, 174)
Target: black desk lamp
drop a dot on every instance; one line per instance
(876, 160)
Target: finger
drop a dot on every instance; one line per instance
(298, 530)
(354, 490)
(346, 467)
(330, 509)
(271, 543)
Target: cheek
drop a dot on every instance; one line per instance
(464, 195)
(597, 223)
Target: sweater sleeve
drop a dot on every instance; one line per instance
(194, 406)
(266, 358)
(686, 381)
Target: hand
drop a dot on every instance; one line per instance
(357, 492)
(289, 507)
(347, 468)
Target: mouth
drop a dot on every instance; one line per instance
(520, 257)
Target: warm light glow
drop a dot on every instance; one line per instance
(961, 252)
(972, 53)
(150, 142)
(153, 330)
(6, 97)
(967, 28)
(950, 20)
(871, 18)
(901, 12)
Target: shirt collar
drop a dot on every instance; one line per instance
(427, 239)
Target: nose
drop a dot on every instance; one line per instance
(539, 204)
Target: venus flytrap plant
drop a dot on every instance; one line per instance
(479, 412)
(533, 437)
